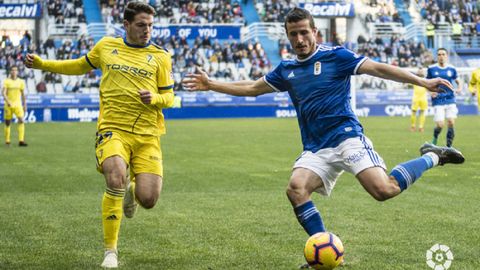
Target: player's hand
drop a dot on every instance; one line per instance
(436, 85)
(8, 104)
(196, 81)
(145, 96)
(29, 60)
(434, 94)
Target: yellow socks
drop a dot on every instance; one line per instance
(6, 131)
(21, 132)
(422, 117)
(112, 213)
(413, 120)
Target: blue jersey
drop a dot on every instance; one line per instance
(448, 73)
(319, 87)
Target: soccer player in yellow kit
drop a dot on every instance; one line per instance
(474, 85)
(420, 104)
(14, 103)
(136, 84)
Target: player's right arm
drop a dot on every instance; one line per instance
(4, 94)
(68, 67)
(201, 82)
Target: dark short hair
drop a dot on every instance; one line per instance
(299, 14)
(136, 7)
(442, 49)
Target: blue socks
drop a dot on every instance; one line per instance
(450, 136)
(309, 217)
(408, 172)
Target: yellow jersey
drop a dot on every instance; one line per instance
(126, 69)
(474, 85)
(15, 90)
(419, 93)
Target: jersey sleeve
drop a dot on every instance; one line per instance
(93, 57)
(429, 73)
(455, 74)
(348, 62)
(275, 80)
(164, 73)
(22, 86)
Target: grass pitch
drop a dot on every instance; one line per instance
(223, 205)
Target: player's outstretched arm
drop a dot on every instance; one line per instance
(394, 73)
(201, 82)
(68, 67)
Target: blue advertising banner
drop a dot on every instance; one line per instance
(23, 11)
(85, 107)
(331, 9)
(231, 31)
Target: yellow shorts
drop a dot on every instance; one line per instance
(141, 152)
(420, 104)
(8, 112)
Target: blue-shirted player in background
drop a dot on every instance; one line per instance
(318, 82)
(444, 103)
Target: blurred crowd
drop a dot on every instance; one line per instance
(180, 12)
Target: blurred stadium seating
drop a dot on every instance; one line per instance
(389, 31)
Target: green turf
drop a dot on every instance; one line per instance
(224, 206)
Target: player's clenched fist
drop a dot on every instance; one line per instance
(145, 96)
(29, 60)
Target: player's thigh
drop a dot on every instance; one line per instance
(415, 105)
(315, 172)
(7, 113)
(19, 113)
(358, 154)
(111, 144)
(439, 115)
(423, 105)
(147, 156)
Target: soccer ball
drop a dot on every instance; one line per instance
(324, 251)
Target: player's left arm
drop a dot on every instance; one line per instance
(24, 99)
(459, 85)
(163, 97)
(394, 73)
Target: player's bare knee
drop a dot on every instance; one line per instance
(116, 179)
(7, 122)
(148, 202)
(383, 192)
(296, 193)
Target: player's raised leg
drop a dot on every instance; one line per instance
(147, 189)
(115, 171)
(383, 187)
(303, 183)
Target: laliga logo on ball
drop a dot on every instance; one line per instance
(439, 257)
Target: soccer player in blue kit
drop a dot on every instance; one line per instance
(444, 103)
(318, 82)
